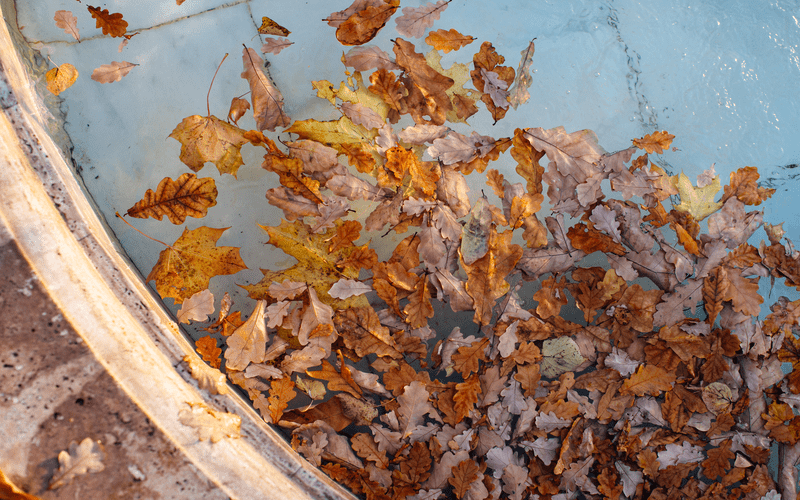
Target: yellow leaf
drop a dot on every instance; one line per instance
(207, 138)
(699, 202)
(270, 27)
(332, 133)
(448, 40)
(656, 142)
(61, 78)
(186, 267)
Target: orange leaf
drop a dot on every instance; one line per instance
(718, 461)
(656, 142)
(487, 275)
(426, 87)
(466, 396)
(207, 348)
(186, 267)
(715, 286)
(448, 40)
(649, 379)
(112, 24)
(336, 381)
(419, 307)
(551, 297)
(467, 359)
(281, 393)
(744, 187)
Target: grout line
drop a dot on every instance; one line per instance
(139, 30)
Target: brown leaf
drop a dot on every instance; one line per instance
(362, 26)
(489, 61)
(281, 393)
(718, 461)
(426, 87)
(337, 381)
(466, 396)
(207, 348)
(419, 307)
(112, 24)
(184, 197)
(415, 20)
(237, 109)
(649, 379)
(464, 474)
(448, 40)
(109, 73)
(744, 187)
(487, 275)
(267, 99)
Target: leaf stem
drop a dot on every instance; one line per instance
(146, 236)
(208, 107)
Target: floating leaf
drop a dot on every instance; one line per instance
(112, 24)
(78, 460)
(210, 424)
(67, 21)
(187, 196)
(61, 78)
(110, 73)
(270, 27)
(207, 138)
(267, 99)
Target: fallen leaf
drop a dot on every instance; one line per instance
(78, 460)
(415, 20)
(185, 267)
(270, 27)
(109, 73)
(448, 40)
(267, 99)
(275, 45)
(208, 378)
(237, 109)
(207, 138)
(67, 21)
(187, 196)
(281, 393)
(197, 307)
(362, 25)
(61, 78)
(656, 142)
(248, 343)
(112, 24)
(210, 424)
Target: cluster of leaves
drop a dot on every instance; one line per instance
(65, 75)
(651, 377)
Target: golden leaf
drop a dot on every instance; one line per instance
(280, 394)
(186, 267)
(187, 196)
(649, 379)
(270, 27)
(448, 40)
(61, 78)
(487, 275)
(699, 202)
(207, 138)
(656, 142)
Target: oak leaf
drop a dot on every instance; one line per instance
(61, 78)
(209, 378)
(415, 20)
(414, 405)
(210, 424)
(518, 93)
(656, 142)
(185, 267)
(463, 475)
(488, 62)
(112, 24)
(744, 187)
(337, 381)
(280, 394)
(197, 307)
(67, 21)
(267, 99)
(275, 45)
(77, 460)
(186, 196)
(466, 396)
(426, 87)
(649, 379)
(718, 461)
(364, 58)
(362, 25)
(446, 41)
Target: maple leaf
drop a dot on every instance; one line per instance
(61, 78)
(361, 26)
(185, 267)
(112, 24)
(656, 142)
(210, 139)
(110, 73)
(316, 265)
(67, 21)
(698, 201)
(186, 196)
(446, 41)
(267, 99)
(415, 20)
(77, 460)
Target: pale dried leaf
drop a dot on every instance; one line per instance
(109, 73)
(208, 378)
(248, 343)
(267, 99)
(275, 45)
(415, 20)
(197, 307)
(78, 460)
(210, 424)
(346, 288)
(67, 21)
